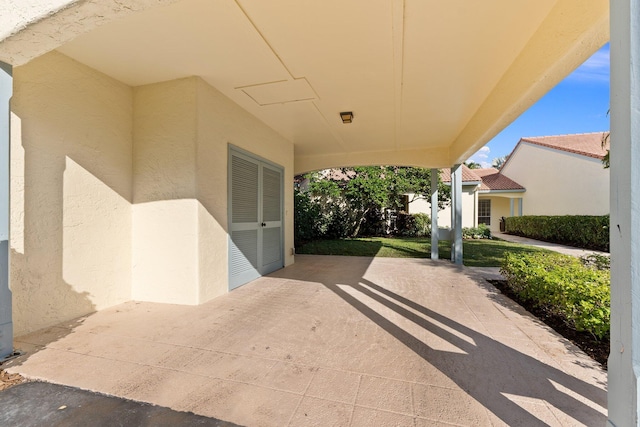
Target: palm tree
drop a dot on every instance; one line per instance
(498, 162)
(473, 165)
(605, 146)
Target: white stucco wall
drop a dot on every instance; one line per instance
(30, 28)
(221, 122)
(121, 193)
(182, 132)
(165, 232)
(71, 192)
(558, 182)
(18, 14)
(469, 208)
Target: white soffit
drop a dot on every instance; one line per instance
(192, 37)
(449, 69)
(414, 72)
(280, 92)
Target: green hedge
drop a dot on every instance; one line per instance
(564, 286)
(583, 231)
(482, 231)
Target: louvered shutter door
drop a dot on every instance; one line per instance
(255, 200)
(272, 253)
(243, 254)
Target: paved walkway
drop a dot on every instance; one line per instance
(567, 250)
(333, 341)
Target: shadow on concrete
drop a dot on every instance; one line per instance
(497, 297)
(487, 371)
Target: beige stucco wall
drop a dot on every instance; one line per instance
(121, 193)
(558, 182)
(30, 28)
(182, 132)
(469, 208)
(165, 240)
(71, 192)
(501, 207)
(221, 122)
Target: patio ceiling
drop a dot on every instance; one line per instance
(429, 81)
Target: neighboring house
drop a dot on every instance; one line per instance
(563, 174)
(486, 196)
(470, 184)
(498, 196)
(548, 175)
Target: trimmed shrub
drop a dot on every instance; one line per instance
(583, 231)
(596, 261)
(405, 224)
(305, 219)
(423, 224)
(479, 232)
(564, 286)
(374, 224)
(412, 225)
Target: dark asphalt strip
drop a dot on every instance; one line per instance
(36, 404)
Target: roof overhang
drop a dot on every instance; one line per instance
(466, 183)
(429, 82)
(501, 192)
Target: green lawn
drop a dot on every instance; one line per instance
(476, 253)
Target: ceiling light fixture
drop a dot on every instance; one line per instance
(346, 116)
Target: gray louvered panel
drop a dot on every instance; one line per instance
(271, 251)
(244, 251)
(271, 203)
(244, 188)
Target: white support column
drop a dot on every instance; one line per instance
(520, 206)
(453, 217)
(511, 207)
(6, 319)
(624, 358)
(456, 214)
(434, 214)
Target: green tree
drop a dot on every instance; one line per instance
(473, 165)
(347, 196)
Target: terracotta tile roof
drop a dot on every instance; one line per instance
(586, 144)
(468, 175)
(493, 180)
(486, 171)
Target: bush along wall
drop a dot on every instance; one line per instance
(583, 231)
(482, 231)
(564, 286)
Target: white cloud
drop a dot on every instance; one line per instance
(481, 156)
(594, 69)
(483, 153)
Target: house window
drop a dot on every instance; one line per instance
(484, 212)
(404, 201)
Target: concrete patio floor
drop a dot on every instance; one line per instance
(333, 341)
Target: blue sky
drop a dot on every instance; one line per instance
(578, 104)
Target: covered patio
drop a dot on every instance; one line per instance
(132, 132)
(333, 341)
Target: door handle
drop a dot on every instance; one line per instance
(264, 224)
